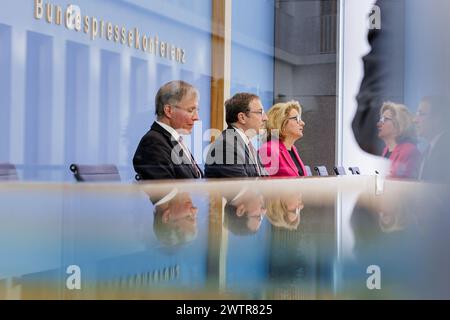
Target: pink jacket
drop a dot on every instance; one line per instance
(277, 160)
(405, 160)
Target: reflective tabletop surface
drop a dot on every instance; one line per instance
(349, 237)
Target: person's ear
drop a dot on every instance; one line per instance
(168, 111)
(241, 117)
(240, 210)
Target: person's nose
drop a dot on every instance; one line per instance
(265, 117)
(195, 116)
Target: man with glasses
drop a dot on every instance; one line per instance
(233, 154)
(161, 153)
(244, 212)
(175, 218)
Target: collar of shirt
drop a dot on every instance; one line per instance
(243, 190)
(167, 197)
(243, 136)
(175, 135)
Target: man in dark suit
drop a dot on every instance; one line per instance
(244, 212)
(175, 218)
(161, 153)
(233, 154)
(432, 124)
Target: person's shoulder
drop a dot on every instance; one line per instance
(408, 149)
(270, 146)
(274, 144)
(154, 140)
(218, 140)
(230, 136)
(157, 132)
(409, 146)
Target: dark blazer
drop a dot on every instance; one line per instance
(153, 157)
(435, 164)
(229, 157)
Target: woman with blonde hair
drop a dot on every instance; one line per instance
(284, 211)
(396, 129)
(284, 127)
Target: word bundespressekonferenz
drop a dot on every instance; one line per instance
(72, 19)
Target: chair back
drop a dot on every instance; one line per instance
(95, 173)
(321, 171)
(340, 171)
(308, 171)
(354, 170)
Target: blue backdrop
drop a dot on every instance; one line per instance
(67, 98)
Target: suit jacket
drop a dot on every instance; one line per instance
(229, 157)
(405, 160)
(277, 160)
(435, 164)
(158, 156)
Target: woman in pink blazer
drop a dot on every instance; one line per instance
(284, 127)
(396, 129)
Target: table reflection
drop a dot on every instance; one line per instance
(284, 211)
(244, 212)
(175, 218)
(254, 239)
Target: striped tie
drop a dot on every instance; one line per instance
(255, 158)
(193, 163)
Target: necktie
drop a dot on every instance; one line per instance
(188, 153)
(255, 157)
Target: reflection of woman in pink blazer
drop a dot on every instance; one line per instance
(279, 154)
(397, 130)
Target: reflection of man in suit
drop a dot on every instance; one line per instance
(161, 153)
(431, 120)
(244, 212)
(175, 218)
(233, 154)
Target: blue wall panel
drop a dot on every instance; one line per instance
(252, 51)
(5, 90)
(72, 98)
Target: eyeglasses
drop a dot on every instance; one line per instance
(190, 111)
(384, 119)
(297, 118)
(258, 217)
(260, 112)
(183, 216)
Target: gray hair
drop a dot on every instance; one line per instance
(172, 93)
